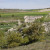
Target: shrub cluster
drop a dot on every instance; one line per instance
(28, 35)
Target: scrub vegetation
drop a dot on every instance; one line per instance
(31, 37)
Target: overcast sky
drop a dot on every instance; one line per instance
(24, 4)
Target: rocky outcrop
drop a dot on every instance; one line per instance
(47, 26)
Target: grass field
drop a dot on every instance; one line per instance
(24, 13)
(19, 15)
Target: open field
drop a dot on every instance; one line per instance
(7, 17)
(19, 15)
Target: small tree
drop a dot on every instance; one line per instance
(0, 15)
(41, 20)
(12, 15)
(35, 31)
(14, 39)
(3, 40)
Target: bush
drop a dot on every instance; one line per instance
(3, 42)
(2, 34)
(24, 40)
(14, 38)
(41, 20)
(12, 15)
(0, 15)
(28, 35)
(35, 31)
(13, 44)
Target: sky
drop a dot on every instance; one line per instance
(24, 4)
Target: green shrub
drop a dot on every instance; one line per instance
(25, 40)
(14, 38)
(13, 44)
(12, 15)
(0, 15)
(35, 31)
(3, 42)
(2, 33)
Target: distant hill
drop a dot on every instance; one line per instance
(18, 10)
(10, 10)
(23, 10)
(44, 10)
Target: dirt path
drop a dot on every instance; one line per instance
(9, 21)
(47, 45)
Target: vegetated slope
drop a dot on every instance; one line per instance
(23, 10)
(45, 10)
(44, 45)
(18, 10)
(34, 46)
(10, 10)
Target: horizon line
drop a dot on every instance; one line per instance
(24, 9)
